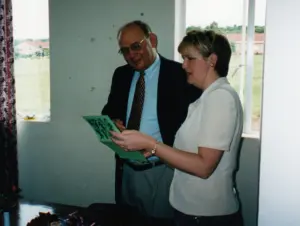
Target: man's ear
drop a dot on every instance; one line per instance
(153, 40)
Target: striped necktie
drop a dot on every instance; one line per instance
(137, 104)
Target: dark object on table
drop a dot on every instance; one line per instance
(43, 219)
(73, 219)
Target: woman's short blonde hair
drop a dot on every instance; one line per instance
(209, 42)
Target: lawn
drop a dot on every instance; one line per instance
(256, 84)
(32, 86)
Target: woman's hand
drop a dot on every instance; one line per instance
(132, 140)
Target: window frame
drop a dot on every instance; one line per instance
(247, 58)
(249, 66)
(42, 53)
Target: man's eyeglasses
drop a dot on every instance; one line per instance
(136, 46)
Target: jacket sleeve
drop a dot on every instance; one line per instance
(193, 93)
(111, 108)
(183, 95)
(189, 94)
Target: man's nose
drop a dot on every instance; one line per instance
(130, 54)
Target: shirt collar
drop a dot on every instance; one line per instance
(153, 65)
(220, 81)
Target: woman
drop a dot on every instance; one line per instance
(206, 145)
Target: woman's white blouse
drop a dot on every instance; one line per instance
(215, 121)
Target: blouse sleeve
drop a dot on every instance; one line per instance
(218, 121)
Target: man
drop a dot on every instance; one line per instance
(151, 94)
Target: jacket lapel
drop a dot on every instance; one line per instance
(162, 85)
(126, 84)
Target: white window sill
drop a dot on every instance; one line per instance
(33, 120)
(39, 118)
(254, 135)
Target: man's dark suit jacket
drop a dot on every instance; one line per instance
(174, 97)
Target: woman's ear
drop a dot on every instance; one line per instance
(212, 59)
(153, 40)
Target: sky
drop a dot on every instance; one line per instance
(31, 17)
(224, 12)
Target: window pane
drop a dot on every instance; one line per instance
(259, 42)
(31, 67)
(226, 17)
(231, 18)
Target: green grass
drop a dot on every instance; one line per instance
(32, 86)
(256, 84)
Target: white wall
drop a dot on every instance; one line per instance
(62, 161)
(279, 196)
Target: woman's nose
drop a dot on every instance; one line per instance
(184, 64)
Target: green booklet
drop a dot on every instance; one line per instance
(102, 125)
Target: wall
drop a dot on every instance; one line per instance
(247, 179)
(62, 161)
(279, 199)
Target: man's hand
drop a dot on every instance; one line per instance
(119, 124)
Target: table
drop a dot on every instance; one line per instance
(27, 210)
(103, 214)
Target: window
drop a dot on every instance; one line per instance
(31, 65)
(243, 22)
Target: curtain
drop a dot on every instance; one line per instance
(8, 131)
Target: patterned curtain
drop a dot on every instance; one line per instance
(8, 132)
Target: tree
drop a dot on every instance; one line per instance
(235, 29)
(192, 28)
(259, 29)
(233, 47)
(46, 52)
(214, 26)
